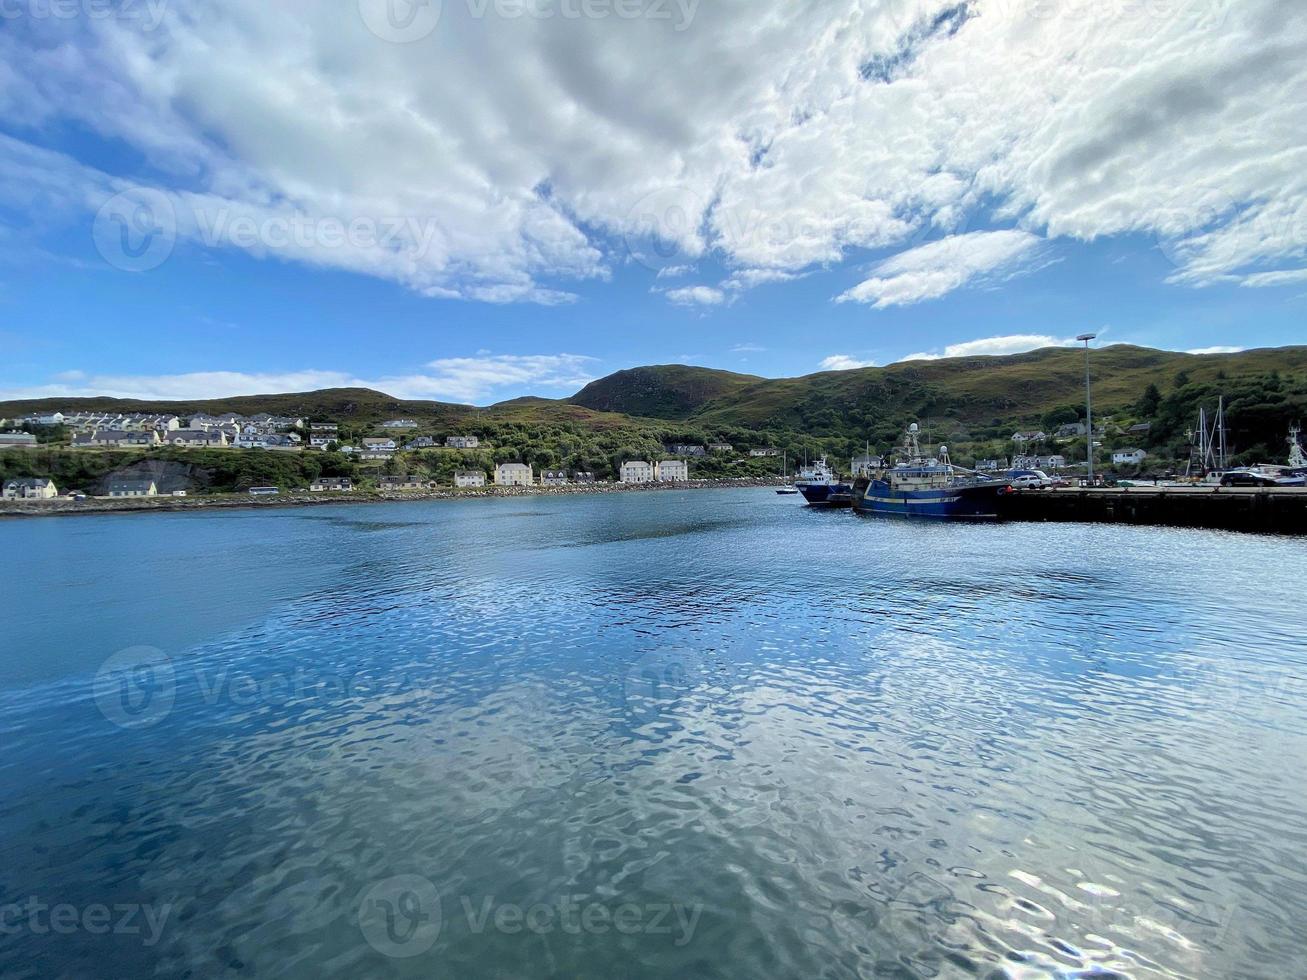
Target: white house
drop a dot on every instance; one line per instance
(379, 445)
(1026, 438)
(17, 439)
(133, 488)
(1128, 457)
(198, 438)
(720, 447)
(673, 471)
(764, 452)
(553, 478)
(637, 471)
(465, 479)
(30, 488)
(400, 424)
(337, 484)
(51, 418)
(462, 442)
(514, 475)
(321, 440)
(468, 479)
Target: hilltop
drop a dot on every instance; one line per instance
(665, 391)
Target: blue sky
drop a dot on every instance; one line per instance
(238, 201)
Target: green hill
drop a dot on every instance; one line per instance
(977, 390)
(667, 391)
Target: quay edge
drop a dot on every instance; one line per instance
(1273, 510)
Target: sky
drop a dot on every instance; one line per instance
(474, 200)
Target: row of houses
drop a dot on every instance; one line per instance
(187, 438)
(666, 471)
(1076, 430)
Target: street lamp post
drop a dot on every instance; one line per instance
(1089, 404)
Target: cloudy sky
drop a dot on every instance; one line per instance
(476, 199)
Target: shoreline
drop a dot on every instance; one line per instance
(64, 507)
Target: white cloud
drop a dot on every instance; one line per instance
(780, 134)
(696, 296)
(843, 362)
(458, 379)
(1216, 350)
(749, 278)
(929, 271)
(473, 378)
(747, 349)
(675, 271)
(994, 346)
(1263, 280)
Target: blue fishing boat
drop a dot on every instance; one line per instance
(821, 488)
(918, 486)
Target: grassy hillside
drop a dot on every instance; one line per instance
(667, 391)
(983, 390)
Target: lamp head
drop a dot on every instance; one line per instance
(1086, 337)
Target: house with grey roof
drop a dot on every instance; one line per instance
(133, 488)
(196, 438)
(108, 438)
(30, 488)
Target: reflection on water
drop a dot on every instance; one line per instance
(708, 733)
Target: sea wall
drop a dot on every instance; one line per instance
(1225, 508)
(64, 506)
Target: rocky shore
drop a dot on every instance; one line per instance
(64, 506)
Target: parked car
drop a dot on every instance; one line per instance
(1029, 479)
(1236, 478)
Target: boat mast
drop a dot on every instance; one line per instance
(1220, 422)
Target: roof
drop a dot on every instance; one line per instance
(27, 481)
(130, 485)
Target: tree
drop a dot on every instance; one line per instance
(1061, 416)
(1149, 402)
(1181, 379)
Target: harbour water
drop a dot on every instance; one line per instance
(699, 734)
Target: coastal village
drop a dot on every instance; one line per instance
(381, 460)
(145, 431)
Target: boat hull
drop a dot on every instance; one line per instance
(970, 503)
(820, 494)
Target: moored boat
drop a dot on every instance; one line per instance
(820, 487)
(918, 486)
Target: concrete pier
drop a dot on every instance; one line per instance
(1280, 510)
